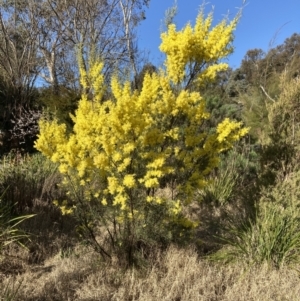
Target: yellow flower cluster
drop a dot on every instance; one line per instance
(92, 80)
(225, 130)
(140, 141)
(200, 47)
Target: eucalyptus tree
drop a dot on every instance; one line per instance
(45, 39)
(63, 30)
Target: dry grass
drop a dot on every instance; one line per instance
(54, 268)
(176, 275)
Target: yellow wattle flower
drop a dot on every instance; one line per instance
(126, 149)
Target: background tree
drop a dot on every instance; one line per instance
(62, 30)
(19, 68)
(255, 85)
(41, 40)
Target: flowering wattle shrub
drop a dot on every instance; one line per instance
(144, 150)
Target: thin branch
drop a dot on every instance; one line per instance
(267, 93)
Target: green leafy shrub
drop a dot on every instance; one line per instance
(234, 178)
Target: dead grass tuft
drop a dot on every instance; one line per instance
(175, 275)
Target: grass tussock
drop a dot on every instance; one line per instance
(273, 235)
(23, 180)
(176, 274)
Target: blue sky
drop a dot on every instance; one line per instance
(264, 23)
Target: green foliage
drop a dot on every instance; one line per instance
(285, 56)
(220, 108)
(234, 178)
(23, 178)
(230, 196)
(259, 84)
(281, 148)
(274, 235)
(260, 68)
(253, 67)
(60, 104)
(255, 113)
(9, 231)
(221, 186)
